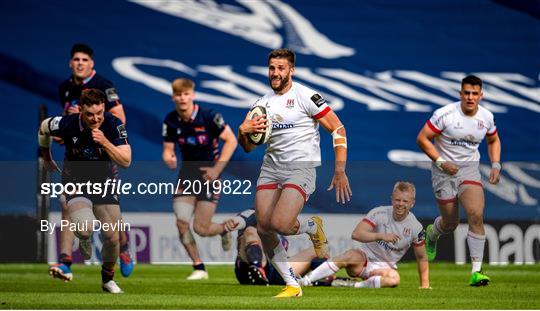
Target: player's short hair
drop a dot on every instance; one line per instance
(405, 186)
(182, 84)
(471, 80)
(283, 53)
(82, 48)
(91, 97)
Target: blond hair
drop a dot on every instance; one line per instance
(405, 186)
(181, 84)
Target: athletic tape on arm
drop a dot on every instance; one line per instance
(44, 134)
(338, 139)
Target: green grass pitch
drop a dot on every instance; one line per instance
(27, 286)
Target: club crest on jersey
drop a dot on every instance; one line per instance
(407, 231)
(480, 124)
(290, 103)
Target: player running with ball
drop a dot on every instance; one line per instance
(287, 175)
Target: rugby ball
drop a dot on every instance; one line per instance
(260, 138)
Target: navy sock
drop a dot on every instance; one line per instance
(65, 259)
(254, 254)
(316, 262)
(199, 267)
(106, 274)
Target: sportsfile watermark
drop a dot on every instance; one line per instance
(118, 187)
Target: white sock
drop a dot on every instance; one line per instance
(307, 225)
(437, 229)
(325, 269)
(476, 244)
(280, 262)
(372, 282)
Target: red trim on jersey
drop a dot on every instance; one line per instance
(444, 201)
(267, 186)
(322, 113)
(433, 128)
(369, 222)
(302, 192)
(471, 182)
(419, 244)
(491, 134)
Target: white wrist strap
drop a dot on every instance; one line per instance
(496, 165)
(439, 162)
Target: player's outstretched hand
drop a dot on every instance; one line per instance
(449, 168)
(494, 176)
(343, 189)
(48, 163)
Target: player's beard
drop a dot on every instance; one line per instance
(282, 85)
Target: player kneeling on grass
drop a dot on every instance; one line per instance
(385, 235)
(96, 142)
(252, 267)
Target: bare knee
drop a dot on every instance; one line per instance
(201, 228)
(352, 260)
(250, 231)
(283, 226)
(111, 237)
(392, 279)
(83, 234)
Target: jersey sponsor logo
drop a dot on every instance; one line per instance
(388, 247)
(112, 95)
(191, 141)
(122, 132)
(55, 124)
(218, 120)
(278, 122)
(467, 141)
(318, 100)
(199, 128)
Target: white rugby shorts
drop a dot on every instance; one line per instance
(447, 187)
(301, 179)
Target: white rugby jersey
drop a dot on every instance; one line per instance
(460, 135)
(409, 230)
(295, 132)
